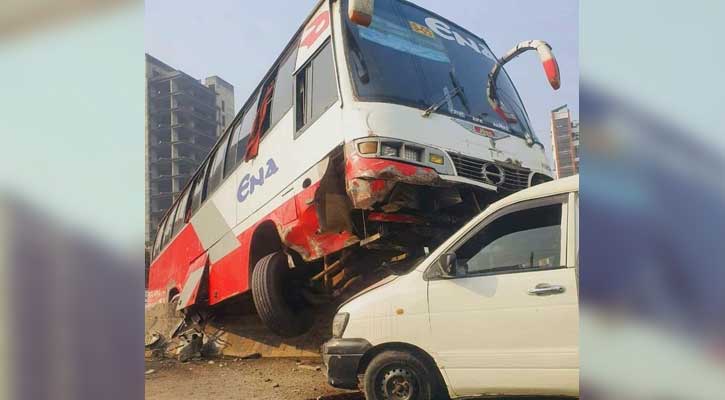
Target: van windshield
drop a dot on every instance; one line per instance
(412, 57)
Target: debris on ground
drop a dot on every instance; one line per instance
(250, 356)
(190, 347)
(149, 372)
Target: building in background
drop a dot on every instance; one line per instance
(565, 142)
(184, 118)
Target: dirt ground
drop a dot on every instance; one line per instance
(263, 379)
(256, 379)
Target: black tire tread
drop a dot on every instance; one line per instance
(268, 298)
(430, 389)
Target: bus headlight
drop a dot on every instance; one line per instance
(436, 158)
(339, 323)
(367, 147)
(412, 153)
(389, 150)
(403, 150)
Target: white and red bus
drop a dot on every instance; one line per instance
(380, 129)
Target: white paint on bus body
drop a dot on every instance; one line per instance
(314, 35)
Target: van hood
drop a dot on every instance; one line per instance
(370, 288)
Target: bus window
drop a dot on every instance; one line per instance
(265, 108)
(157, 242)
(205, 179)
(167, 228)
(302, 98)
(189, 193)
(217, 167)
(246, 129)
(316, 88)
(231, 158)
(181, 213)
(284, 88)
(198, 190)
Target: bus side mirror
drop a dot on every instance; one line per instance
(361, 11)
(447, 264)
(548, 61)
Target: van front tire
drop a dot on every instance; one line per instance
(276, 298)
(400, 375)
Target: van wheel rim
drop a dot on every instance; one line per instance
(399, 384)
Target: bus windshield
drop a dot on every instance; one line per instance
(413, 57)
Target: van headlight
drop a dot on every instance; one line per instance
(339, 323)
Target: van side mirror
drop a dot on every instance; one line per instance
(361, 11)
(447, 264)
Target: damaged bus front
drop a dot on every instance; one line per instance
(378, 132)
(429, 140)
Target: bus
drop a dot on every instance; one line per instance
(379, 131)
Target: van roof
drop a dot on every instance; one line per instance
(557, 186)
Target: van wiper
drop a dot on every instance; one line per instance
(457, 90)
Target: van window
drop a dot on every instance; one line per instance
(316, 88)
(284, 88)
(529, 239)
(217, 166)
(246, 128)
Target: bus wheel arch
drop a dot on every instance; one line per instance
(280, 307)
(278, 304)
(265, 240)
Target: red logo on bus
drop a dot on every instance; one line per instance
(315, 29)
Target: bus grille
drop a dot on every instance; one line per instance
(507, 177)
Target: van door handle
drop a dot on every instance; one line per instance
(544, 289)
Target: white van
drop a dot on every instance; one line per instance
(494, 310)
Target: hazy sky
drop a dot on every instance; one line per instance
(240, 42)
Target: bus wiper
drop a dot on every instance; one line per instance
(457, 90)
(456, 85)
(430, 110)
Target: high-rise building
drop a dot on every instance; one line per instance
(184, 118)
(565, 142)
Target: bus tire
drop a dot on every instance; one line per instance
(273, 292)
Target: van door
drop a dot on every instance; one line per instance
(508, 322)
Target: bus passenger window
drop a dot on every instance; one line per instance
(264, 127)
(157, 242)
(217, 166)
(205, 185)
(246, 129)
(198, 190)
(179, 221)
(284, 89)
(167, 228)
(231, 159)
(302, 97)
(316, 88)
